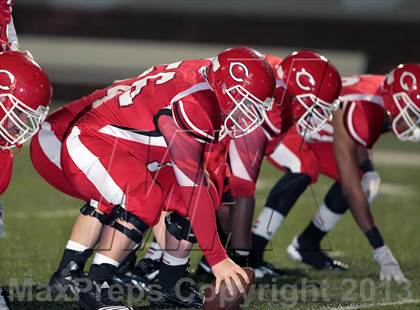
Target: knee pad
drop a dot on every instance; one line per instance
(136, 233)
(335, 200)
(179, 227)
(286, 191)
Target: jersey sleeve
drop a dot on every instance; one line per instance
(364, 122)
(8, 37)
(245, 157)
(6, 162)
(198, 116)
(187, 161)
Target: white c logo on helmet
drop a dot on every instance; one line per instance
(10, 77)
(403, 80)
(310, 78)
(241, 65)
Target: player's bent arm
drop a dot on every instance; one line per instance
(345, 150)
(187, 159)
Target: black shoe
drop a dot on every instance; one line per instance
(100, 297)
(4, 299)
(203, 270)
(67, 280)
(127, 278)
(240, 260)
(147, 269)
(189, 297)
(314, 257)
(266, 270)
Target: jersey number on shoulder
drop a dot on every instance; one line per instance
(159, 78)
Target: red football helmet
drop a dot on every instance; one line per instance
(244, 84)
(25, 93)
(401, 95)
(315, 84)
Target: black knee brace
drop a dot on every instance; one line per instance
(335, 201)
(88, 210)
(179, 227)
(286, 191)
(136, 234)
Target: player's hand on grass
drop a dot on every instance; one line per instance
(390, 269)
(229, 272)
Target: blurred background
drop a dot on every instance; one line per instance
(86, 44)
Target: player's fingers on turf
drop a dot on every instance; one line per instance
(238, 282)
(218, 281)
(243, 274)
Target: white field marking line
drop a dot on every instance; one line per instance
(391, 158)
(392, 189)
(384, 304)
(44, 214)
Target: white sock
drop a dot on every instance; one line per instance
(75, 246)
(268, 222)
(102, 259)
(171, 260)
(325, 219)
(154, 252)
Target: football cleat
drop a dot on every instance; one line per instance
(100, 297)
(266, 270)
(316, 258)
(4, 300)
(128, 278)
(187, 296)
(67, 280)
(147, 269)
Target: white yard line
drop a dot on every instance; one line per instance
(384, 304)
(391, 158)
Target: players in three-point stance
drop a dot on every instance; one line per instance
(142, 151)
(310, 84)
(369, 106)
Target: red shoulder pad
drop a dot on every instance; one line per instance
(364, 121)
(274, 62)
(199, 115)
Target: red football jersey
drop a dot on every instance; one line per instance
(279, 119)
(179, 89)
(5, 22)
(168, 107)
(6, 164)
(363, 108)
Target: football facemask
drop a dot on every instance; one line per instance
(406, 125)
(317, 114)
(19, 122)
(247, 114)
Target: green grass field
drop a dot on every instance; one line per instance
(38, 220)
